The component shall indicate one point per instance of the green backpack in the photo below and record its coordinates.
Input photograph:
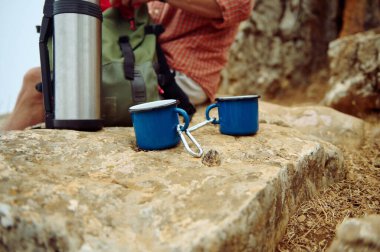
(133, 66)
(128, 73)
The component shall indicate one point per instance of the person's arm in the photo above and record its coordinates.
(226, 12)
(204, 8)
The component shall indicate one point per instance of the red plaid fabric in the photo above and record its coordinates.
(197, 46)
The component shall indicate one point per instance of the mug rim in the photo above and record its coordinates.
(237, 98)
(147, 106)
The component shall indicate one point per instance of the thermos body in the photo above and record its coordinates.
(77, 66)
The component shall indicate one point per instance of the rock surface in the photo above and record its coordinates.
(355, 74)
(281, 46)
(358, 235)
(79, 191)
(285, 46)
(323, 122)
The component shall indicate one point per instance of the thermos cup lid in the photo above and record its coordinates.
(153, 105)
(236, 98)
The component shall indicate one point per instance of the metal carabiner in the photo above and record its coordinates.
(201, 124)
(183, 139)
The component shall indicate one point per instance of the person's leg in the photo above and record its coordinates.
(29, 108)
(195, 93)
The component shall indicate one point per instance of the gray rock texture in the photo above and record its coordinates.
(79, 191)
(355, 74)
(322, 122)
(372, 19)
(358, 235)
(281, 46)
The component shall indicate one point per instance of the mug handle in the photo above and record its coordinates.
(208, 109)
(185, 116)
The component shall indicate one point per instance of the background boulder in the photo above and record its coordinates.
(281, 46)
(355, 74)
(302, 49)
(358, 234)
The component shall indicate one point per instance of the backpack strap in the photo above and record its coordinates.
(137, 81)
(166, 78)
(129, 57)
(46, 31)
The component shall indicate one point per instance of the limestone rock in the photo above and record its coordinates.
(281, 46)
(358, 235)
(284, 45)
(355, 74)
(77, 191)
(323, 122)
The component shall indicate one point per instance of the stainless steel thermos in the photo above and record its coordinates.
(72, 90)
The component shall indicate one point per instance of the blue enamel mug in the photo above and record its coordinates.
(238, 115)
(156, 124)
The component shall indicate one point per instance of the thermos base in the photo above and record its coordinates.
(81, 125)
